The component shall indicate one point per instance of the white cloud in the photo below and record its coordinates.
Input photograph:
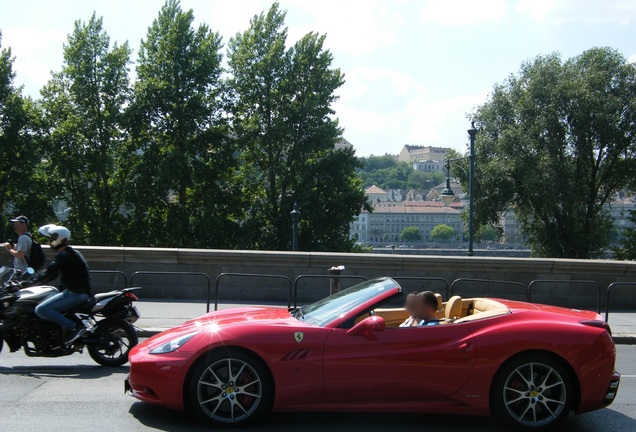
(464, 11)
(350, 26)
(619, 12)
(34, 50)
(539, 10)
(383, 109)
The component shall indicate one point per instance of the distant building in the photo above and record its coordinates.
(511, 229)
(342, 144)
(394, 195)
(413, 153)
(388, 219)
(414, 195)
(429, 166)
(376, 194)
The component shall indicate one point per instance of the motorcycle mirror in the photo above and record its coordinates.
(30, 270)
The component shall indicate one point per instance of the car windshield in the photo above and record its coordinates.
(328, 309)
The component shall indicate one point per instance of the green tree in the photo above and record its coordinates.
(627, 249)
(22, 185)
(424, 180)
(488, 233)
(182, 169)
(282, 120)
(442, 232)
(410, 234)
(373, 163)
(556, 142)
(83, 113)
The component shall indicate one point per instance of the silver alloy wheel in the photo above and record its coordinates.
(535, 394)
(229, 390)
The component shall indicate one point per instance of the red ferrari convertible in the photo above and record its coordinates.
(527, 364)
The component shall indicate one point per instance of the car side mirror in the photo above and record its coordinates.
(368, 326)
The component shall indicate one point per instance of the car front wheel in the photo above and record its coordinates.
(532, 392)
(230, 388)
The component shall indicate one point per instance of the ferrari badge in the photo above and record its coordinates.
(299, 336)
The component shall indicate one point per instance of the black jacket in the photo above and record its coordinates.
(72, 268)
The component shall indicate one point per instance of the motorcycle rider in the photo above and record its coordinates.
(75, 286)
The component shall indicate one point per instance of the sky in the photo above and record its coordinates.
(414, 69)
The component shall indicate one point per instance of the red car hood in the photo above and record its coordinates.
(576, 313)
(220, 320)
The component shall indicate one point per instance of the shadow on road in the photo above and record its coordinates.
(65, 371)
(161, 419)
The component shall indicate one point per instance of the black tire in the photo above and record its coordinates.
(532, 392)
(230, 388)
(112, 341)
(1, 344)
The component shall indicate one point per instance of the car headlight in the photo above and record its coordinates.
(173, 345)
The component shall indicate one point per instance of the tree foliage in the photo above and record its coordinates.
(410, 234)
(282, 120)
(183, 163)
(442, 232)
(387, 173)
(83, 116)
(627, 249)
(22, 185)
(556, 143)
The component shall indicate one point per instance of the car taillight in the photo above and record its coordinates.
(131, 296)
(599, 324)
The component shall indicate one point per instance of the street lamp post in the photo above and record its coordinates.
(471, 186)
(295, 215)
(448, 195)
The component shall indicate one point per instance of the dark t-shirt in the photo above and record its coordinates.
(72, 268)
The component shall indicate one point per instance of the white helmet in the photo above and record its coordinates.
(59, 234)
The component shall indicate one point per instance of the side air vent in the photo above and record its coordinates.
(296, 355)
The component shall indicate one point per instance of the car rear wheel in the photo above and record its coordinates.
(533, 392)
(230, 388)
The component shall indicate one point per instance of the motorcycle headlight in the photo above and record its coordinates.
(173, 345)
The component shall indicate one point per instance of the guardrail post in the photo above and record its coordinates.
(334, 282)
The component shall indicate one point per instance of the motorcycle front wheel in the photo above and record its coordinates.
(112, 341)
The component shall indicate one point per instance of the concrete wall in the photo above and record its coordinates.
(290, 264)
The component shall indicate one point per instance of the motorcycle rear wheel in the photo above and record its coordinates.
(115, 338)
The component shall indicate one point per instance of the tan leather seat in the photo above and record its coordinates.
(453, 308)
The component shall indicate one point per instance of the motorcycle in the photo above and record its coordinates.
(107, 317)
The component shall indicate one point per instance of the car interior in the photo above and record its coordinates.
(454, 311)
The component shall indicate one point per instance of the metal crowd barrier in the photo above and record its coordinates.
(573, 282)
(113, 272)
(246, 275)
(293, 287)
(609, 289)
(161, 273)
(423, 278)
(488, 281)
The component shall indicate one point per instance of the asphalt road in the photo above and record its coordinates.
(73, 394)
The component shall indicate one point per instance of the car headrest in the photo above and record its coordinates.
(454, 308)
(438, 296)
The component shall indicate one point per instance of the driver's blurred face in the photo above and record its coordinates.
(411, 305)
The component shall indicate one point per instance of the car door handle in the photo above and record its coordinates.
(465, 346)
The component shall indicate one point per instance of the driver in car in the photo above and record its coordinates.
(427, 311)
(411, 306)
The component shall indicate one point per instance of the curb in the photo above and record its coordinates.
(148, 332)
(626, 339)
